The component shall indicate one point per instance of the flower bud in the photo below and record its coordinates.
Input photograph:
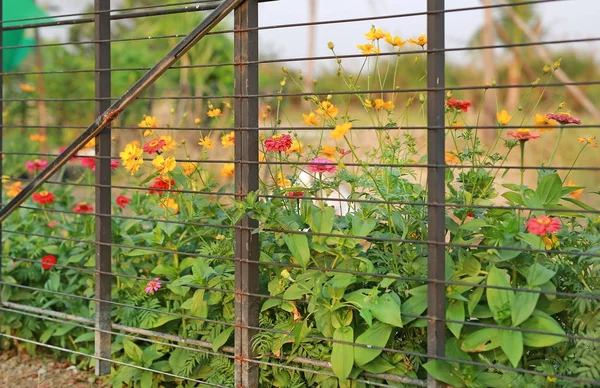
(409, 101)
(421, 98)
(172, 110)
(227, 105)
(285, 274)
(546, 68)
(183, 141)
(494, 83)
(536, 82)
(449, 94)
(314, 82)
(282, 83)
(284, 69)
(562, 105)
(416, 60)
(330, 45)
(329, 97)
(556, 65)
(197, 121)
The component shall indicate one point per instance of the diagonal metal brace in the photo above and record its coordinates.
(224, 9)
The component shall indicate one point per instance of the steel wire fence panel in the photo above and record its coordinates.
(373, 200)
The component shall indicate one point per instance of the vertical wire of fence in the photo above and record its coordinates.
(230, 244)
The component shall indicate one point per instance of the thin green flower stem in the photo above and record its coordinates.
(539, 99)
(479, 110)
(560, 133)
(574, 161)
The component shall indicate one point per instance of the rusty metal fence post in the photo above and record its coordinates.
(246, 180)
(436, 297)
(103, 191)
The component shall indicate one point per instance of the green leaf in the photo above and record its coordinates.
(471, 266)
(322, 222)
(298, 246)
(456, 312)
(342, 355)
(537, 275)
(549, 190)
(512, 345)
(51, 249)
(523, 305)
(132, 350)
(533, 240)
(443, 371)
(140, 252)
(474, 225)
(146, 379)
(545, 324)
(48, 333)
(362, 227)
(294, 292)
(377, 335)
(85, 337)
(498, 300)
(414, 306)
(386, 309)
(378, 365)
(481, 341)
(474, 298)
(53, 282)
(270, 303)
(222, 338)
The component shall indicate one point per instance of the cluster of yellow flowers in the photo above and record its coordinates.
(376, 34)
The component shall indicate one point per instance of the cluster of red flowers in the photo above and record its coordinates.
(280, 143)
(458, 104)
(122, 201)
(83, 207)
(161, 185)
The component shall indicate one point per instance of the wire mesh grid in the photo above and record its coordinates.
(402, 220)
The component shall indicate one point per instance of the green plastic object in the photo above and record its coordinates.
(15, 10)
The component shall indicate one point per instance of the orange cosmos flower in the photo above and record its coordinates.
(228, 170)
(340, 131)
(375, 34)
(214, 113)
(311, 119)
(27, 88)
(420, 41)
(543, 123)
(589, 141)
(328, 109)
(452, 157)
(368, 48)
(228, 140)
(575, 194)
(328, 152)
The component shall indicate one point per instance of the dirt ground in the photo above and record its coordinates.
(24, 371)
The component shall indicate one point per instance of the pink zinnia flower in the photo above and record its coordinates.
(154, 146)
(114, 164)
(35, 165)
(542, 225)
(321, 165)
(152, 286)
(524, 134)
(563, 118)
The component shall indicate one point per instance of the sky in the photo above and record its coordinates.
(582, 22)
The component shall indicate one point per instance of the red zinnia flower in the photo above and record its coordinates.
(563, 118)
(122, 201)
(52, 224)
(321, 165)
(524, 134)
(279, 143)
(43, 197)
(458, 104)
(542, 225)
(48, 261)
(83, 207)
(35, 165)
(89, 163)
(295, 194)
(161, 184)
(114, 164)
(154, 146)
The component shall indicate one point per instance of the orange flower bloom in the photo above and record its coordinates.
(328, 109)
(214, 113)
(420, 41)
(340, 131)
(228, 140)
(368, 48)
(375, 34)
(170, 205)
(589, 141)
(15, 188)
(380, 104)
(311, 119)
(575, 194)
(452, 157)
(148, 122)
(503, 117)
(328, 152)
(282, 181)
(395, 41)
(228, 170)
(543, 123)
(27, 88)
(188, 168)
(295, 147)
(170, 144)
(206, 142)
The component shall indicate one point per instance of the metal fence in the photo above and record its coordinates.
(431, 241)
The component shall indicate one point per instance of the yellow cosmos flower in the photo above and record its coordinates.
(228, 170)
(458, 125)
(550, 241)
(328, 109)
(375, 34)
(214, 113)
(170, 144)
(503, 117)
(420, 41)
(575, 194)
(395, 41)
(282, 181)
(379, 104)
(164, 165)
(13, 189)
(169, 204)
(206, 142)
(543, 123)
(311, 119)
(261, 157)
(133, 165)
(148, 122)
(340, 131)
(131, 157)
(295, 147)
(368, 48)
(228, 140)
(589, 141)
(188, 168)
(90, 144)
(328, 152)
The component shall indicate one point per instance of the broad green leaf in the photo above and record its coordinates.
(523, 305)
(269, 303)
(481, 341)
(53, 282)
(534, 240)
(386, 309)
(512, 345)
(378, 365)
(298, 245)
(222, 338)
(322, 222)
(471, 266)
(474, 225)
(474, 298)
(146, 379)
(294, 292)
(455, 311)
(342, 355)
(443, 371)
(414, 306)
(140, 252)
(85, 337)
(550, 189)
(362, 227)
(132, 350)
(498, 300)
(48, 333)
(537, 275)
(377, 335)
(544, 324)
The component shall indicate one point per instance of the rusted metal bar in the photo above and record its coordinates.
(211, 20)
(103, 192)
(436, 212)
(246, 180)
